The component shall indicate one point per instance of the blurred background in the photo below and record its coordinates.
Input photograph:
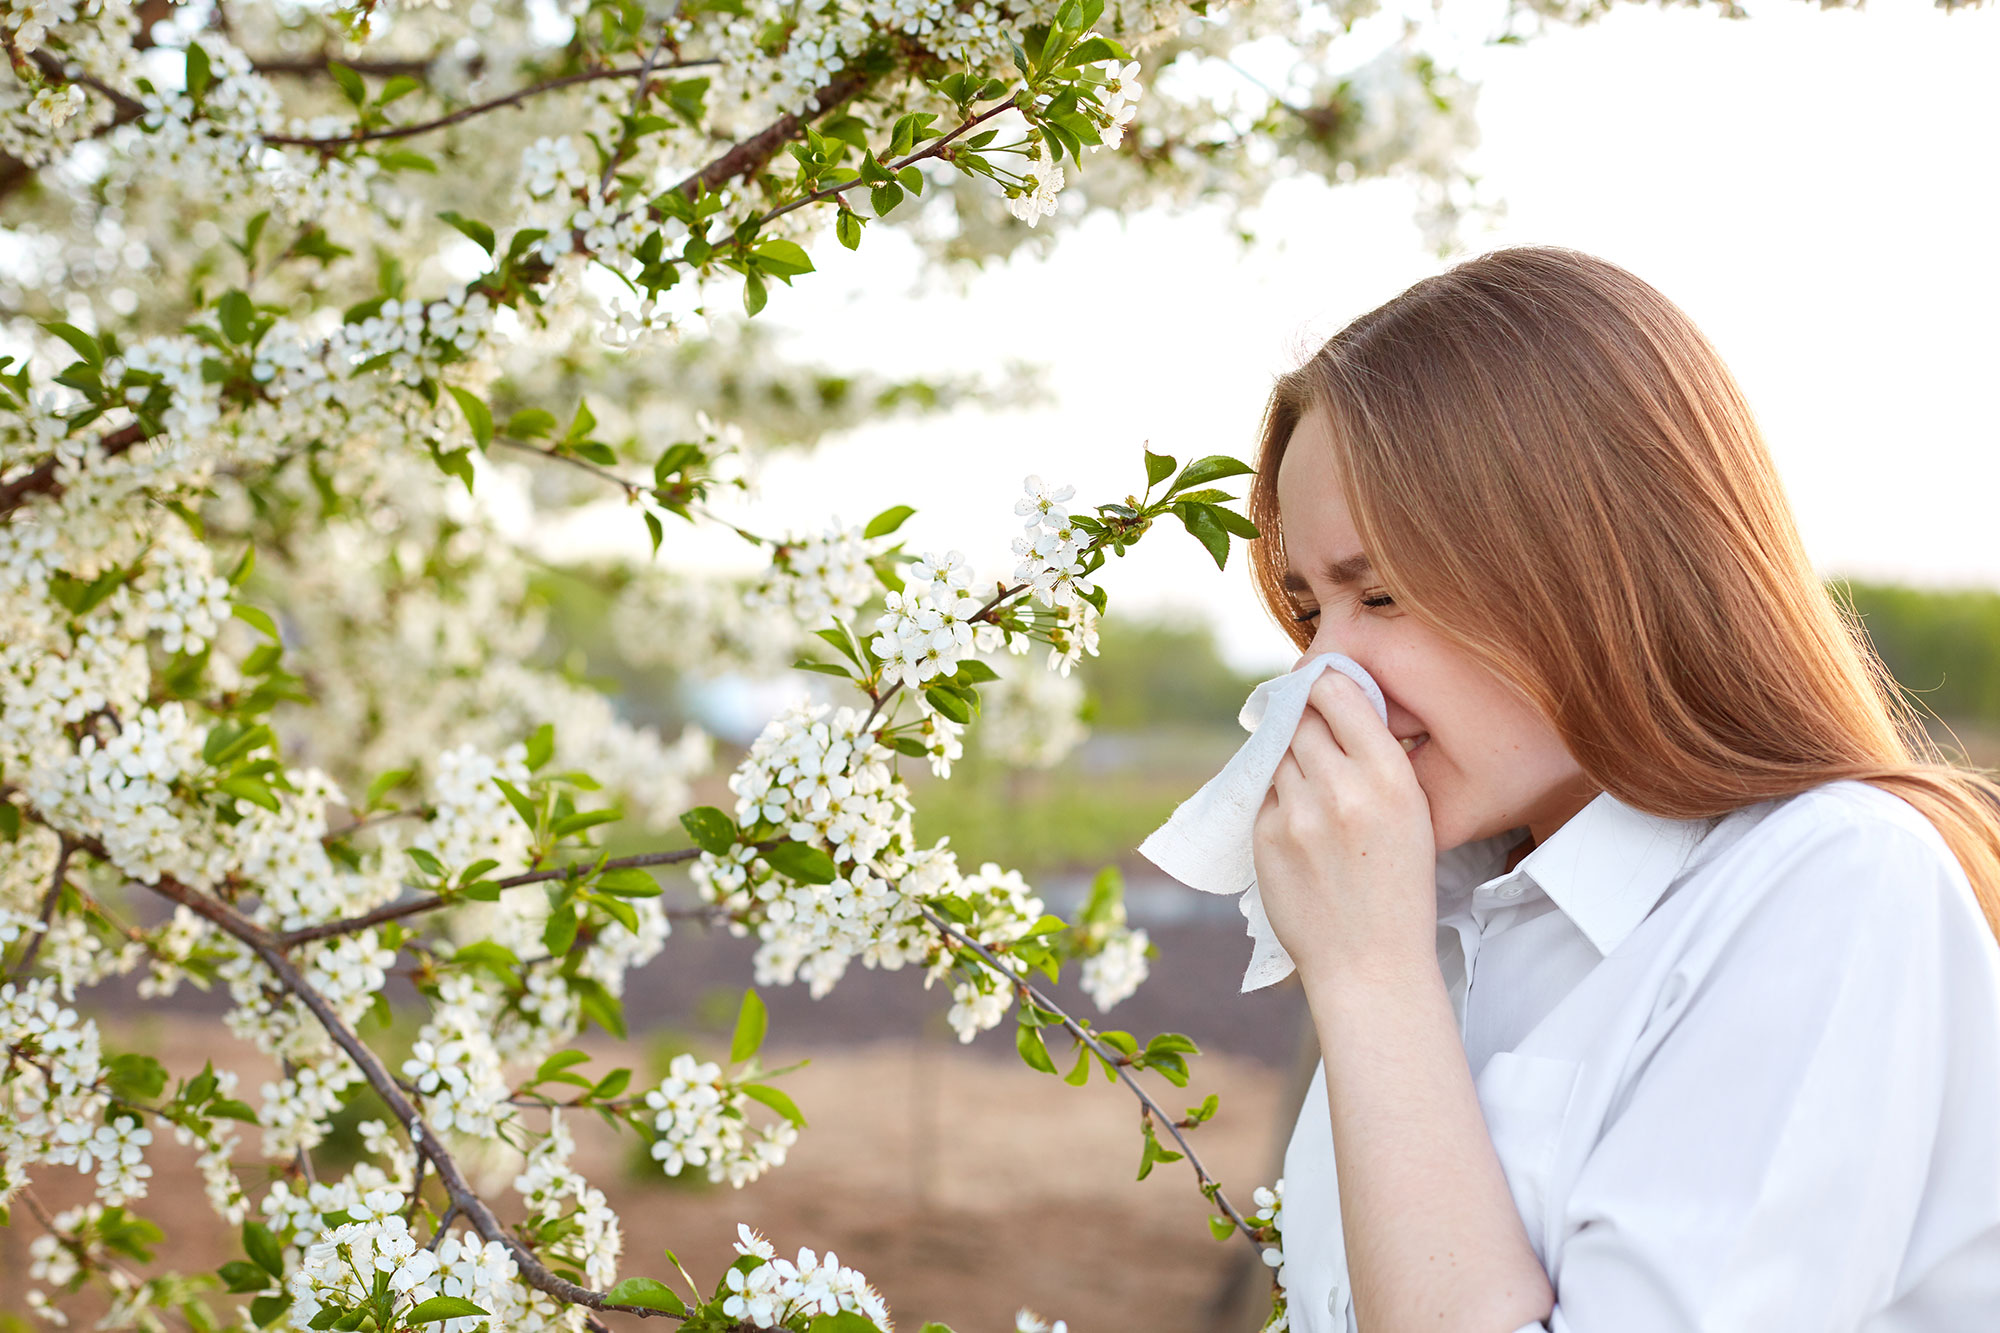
(1817, 188)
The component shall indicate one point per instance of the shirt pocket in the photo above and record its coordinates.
(1525, 1099)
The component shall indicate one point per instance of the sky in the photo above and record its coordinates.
(1819, 190)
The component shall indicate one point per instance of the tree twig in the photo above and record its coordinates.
(291, 939)
(477, 109)
(49, 901)
(467, 1200)
(1210, 1187)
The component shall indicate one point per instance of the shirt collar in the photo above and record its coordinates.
(1605, 868)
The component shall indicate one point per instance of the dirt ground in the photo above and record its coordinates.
(962, 1183)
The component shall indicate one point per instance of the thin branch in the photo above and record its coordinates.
(49, 901)
(477, 109)
(1210, 1187)
(291, 939)
(929, 150)
(305, 66)
(370, 821)
(633, 490)
(41, 479)
(640, 94)
(467, 1200)
(748, 157)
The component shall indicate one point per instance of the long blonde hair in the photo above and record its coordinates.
(1550, 464)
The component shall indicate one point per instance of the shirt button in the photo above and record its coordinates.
(1508, 891)
(1335, 1300)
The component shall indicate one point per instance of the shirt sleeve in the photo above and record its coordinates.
(1769, 1164)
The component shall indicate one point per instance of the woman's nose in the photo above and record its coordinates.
(1323, 642)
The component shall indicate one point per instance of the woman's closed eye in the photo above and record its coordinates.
(1376, 602)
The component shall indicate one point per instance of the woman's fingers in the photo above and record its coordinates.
(1349, 719)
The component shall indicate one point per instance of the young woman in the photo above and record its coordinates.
(1651, 944)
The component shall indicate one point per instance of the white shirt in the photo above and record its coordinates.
(1741, 1073)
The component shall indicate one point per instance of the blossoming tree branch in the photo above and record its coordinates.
(288, 292)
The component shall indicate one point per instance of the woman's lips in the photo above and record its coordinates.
(1410, 743)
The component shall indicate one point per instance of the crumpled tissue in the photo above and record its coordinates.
(1205, 843)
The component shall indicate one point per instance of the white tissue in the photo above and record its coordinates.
(1205, 844)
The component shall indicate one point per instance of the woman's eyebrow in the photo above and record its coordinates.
(1338, 572)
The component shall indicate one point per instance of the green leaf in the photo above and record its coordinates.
(357, 93)
(887, 521)
(541, 745)
(848, 228)
(1208, 469)
(581, 424)
(654, 529)
(949, 704)
(236, 316)
(442, 1307)
(477, 414)
(254, 790)
(492, 955)
(1158, 468)
(776, 1100)
(1152, 1151)
(1169, 1042)
(1220, 1227)
(838, 639)
(1093, 50)
(558, 1062)
(256, 619)
(751, 1021)
(1080, 1075)
(823, 668)
(199, 75)
(628, 882)
(479, 232)
(402, 159)
(239, 1276)
(266, 1310)
(137, 1077)
(1233, 521)
(384, 784)
(517, 798)
(884, 198)
(559, 931)
(262, 1247)
(713, 831)
(754, 294)
(1201, 523)
(1028, 1041)
(426, 862)
(82, 343)
(972, 671)
(611, 1085)
(584, 819)
(531, 423)
(647, 1294)
(802, 862)
(782, 259)
(599, 1005)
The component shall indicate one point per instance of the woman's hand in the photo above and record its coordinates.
(1346, 861)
